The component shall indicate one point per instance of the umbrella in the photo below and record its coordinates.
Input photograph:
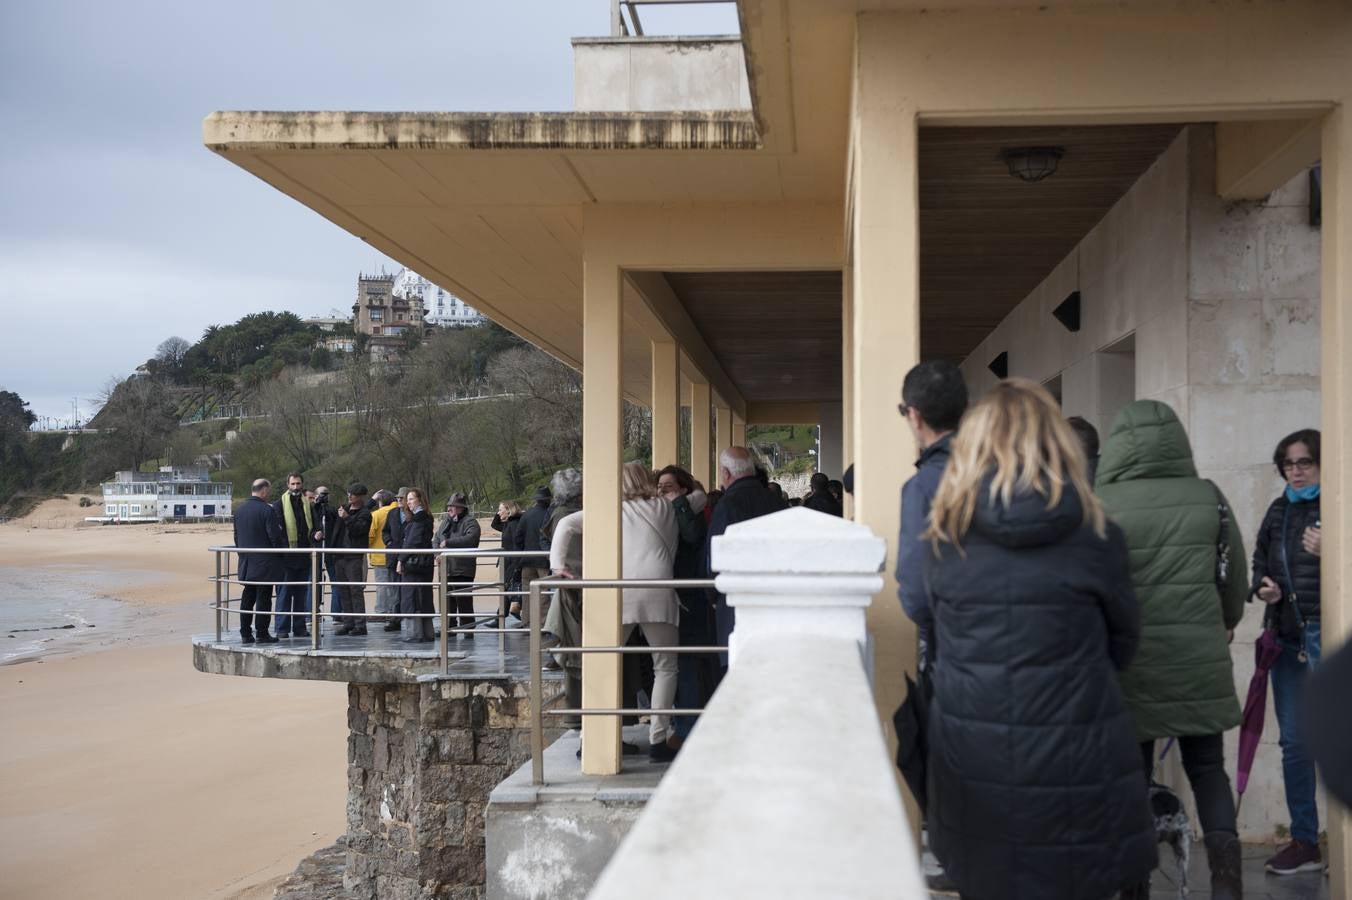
(1265, 653)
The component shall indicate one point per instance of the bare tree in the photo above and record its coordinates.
(293, 413)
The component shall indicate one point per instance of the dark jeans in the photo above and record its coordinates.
(461, 606)
(255, 596)
(351, 599)
(1288, 688)
(696, 674)
(1204, 762)
(293, 599)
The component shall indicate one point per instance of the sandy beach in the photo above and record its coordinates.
(123, 771)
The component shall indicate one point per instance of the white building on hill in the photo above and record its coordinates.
(440, 306)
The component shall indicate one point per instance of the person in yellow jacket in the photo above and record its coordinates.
(387, 584)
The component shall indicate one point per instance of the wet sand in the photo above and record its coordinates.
(123, 771)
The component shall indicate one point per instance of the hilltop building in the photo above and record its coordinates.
(385, 316)
(175, 492)
(440, 306)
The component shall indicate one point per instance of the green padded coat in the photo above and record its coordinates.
(1181, 681)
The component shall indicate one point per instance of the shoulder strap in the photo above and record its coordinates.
(1222, 539)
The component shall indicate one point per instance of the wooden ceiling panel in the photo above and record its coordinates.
(988, 239)
(777, 334)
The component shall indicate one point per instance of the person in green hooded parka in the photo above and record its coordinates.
(1180, 684)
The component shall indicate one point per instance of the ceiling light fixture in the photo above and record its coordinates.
(1032, 164)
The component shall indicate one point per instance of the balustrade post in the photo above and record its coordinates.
(445, 617)
(218, 595)
(314, 599)
(799, 572)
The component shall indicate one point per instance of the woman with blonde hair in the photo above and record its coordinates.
(1035, 789)
(649, 539)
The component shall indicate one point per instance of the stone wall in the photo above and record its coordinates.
(422, 760)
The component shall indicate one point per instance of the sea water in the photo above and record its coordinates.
(58, 609)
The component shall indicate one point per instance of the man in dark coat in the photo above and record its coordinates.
(528, 538)
(351, 531)
(821, 499)
(933, 399)
(257, 525)
(458, 530)
(393, 536)
(744, 498)
(302, 533)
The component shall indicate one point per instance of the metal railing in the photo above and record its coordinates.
(225, 578)
(634, 26)
(537, 710)
(440, 582)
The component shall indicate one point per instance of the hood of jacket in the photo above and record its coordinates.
(1147, 441)
(1028, 521)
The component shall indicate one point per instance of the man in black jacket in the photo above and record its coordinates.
(528, 538)
(302, 533)
(257, 525)
(351, 530)
(744, 498)
(458, 530)
(821, 499)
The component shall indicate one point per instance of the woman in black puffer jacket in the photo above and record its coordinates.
(1286, 578)
(1035, 788)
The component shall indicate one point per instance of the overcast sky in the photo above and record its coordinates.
(121, 229)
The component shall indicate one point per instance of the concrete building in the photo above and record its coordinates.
(440, 306)
(174, 492)
(1114, 199)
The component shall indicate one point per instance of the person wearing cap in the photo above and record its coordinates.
(528, 538)
(351, 531)
(458, 530)
(325, 522)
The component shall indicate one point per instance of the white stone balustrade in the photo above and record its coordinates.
(786, 788)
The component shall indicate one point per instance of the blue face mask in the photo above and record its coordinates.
(1303, 495)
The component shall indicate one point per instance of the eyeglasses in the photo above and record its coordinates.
(1304, 464)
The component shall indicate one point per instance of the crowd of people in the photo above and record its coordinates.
(1075, 606)
(1075, 609)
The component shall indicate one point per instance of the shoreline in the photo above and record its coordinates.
(125, 772)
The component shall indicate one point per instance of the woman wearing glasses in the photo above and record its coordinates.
(1286, 578)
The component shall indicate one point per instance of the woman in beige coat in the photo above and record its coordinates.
(649, 541)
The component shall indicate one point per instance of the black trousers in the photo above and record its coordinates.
(1204, 763)
(460, 605)
(259, 597)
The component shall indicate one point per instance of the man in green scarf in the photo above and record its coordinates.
(297, 515)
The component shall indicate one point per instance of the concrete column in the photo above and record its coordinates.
(886, 343)
(700, 457)
(722, 428)
(666, 403)
(602, 455)
(738, 431)
(831, 451)
(847, 377)
(1336, 469)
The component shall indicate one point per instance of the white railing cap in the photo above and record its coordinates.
(798, 540)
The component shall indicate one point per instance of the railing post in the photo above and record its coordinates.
(218, 596)
(445, 617)
(799, 572)
(537, 735)
(314, 599)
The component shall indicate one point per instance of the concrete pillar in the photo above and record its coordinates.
(886, 343)
(738, 431)
(666, 403)
(831, 452)
(700, 457)
(1336, 457)
(722, 428)
(602, 455)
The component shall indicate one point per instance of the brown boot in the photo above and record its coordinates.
(1224, 857)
